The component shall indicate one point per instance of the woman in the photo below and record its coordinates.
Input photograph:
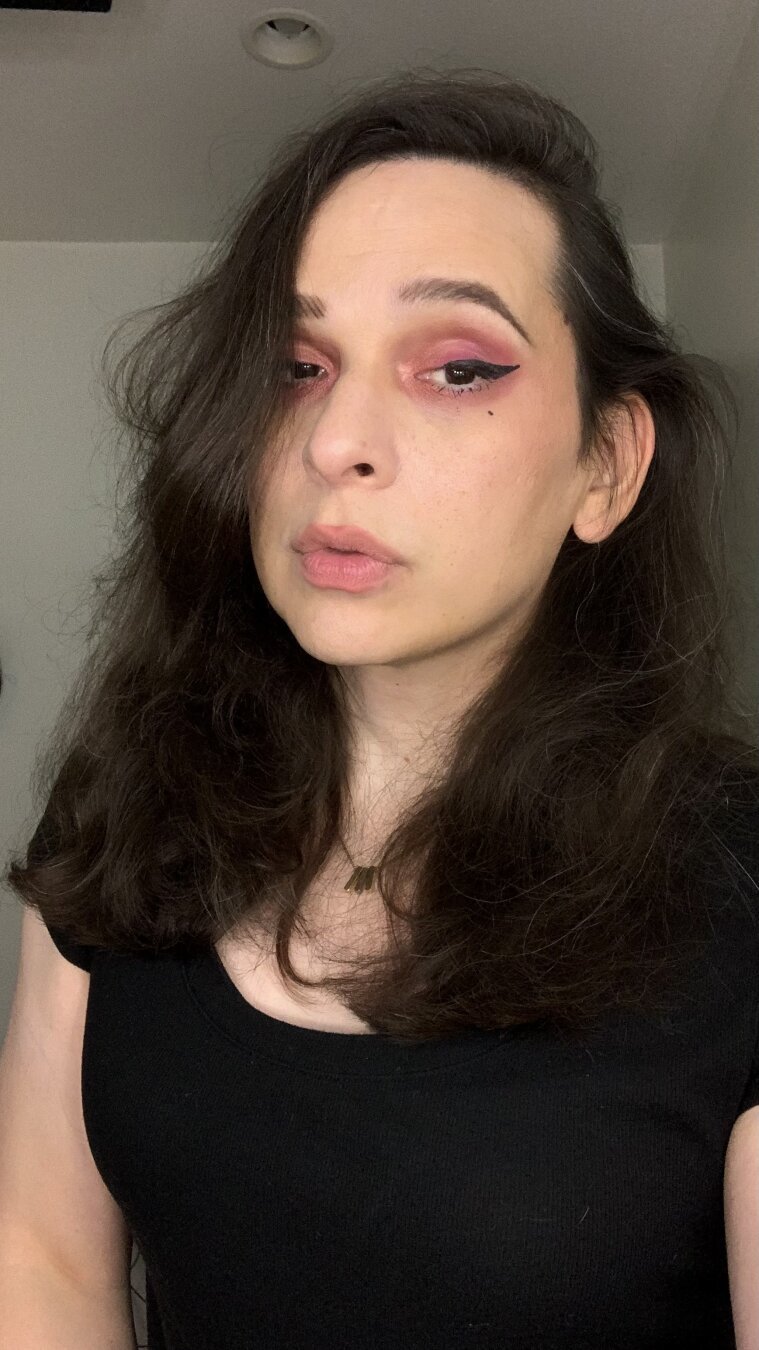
(417, 886)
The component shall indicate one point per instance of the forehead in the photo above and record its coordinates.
(387, 222)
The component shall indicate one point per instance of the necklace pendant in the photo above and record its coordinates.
(362, 879)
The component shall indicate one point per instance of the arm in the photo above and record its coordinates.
(741, 1189)
(64, 1244)
(42, 1310)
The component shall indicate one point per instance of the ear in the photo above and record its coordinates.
(613, 489)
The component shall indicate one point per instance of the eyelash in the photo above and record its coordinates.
(491, 373)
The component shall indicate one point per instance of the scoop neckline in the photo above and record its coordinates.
(311, 1049)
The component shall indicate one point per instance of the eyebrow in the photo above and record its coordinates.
(430, 289)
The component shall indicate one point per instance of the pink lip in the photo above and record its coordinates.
(345, 571)
(347, 538)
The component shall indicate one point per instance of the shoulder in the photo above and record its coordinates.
(77, 953)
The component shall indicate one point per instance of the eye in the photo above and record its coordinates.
(463, 372)
(291, 366)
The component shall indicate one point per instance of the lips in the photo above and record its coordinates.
(346, 539)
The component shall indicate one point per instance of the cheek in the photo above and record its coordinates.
(529, 473)
(499, 524)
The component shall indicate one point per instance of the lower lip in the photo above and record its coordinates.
(344, 571)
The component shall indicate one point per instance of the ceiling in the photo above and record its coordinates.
(151, 122)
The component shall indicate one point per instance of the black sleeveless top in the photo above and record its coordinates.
(294, 1189)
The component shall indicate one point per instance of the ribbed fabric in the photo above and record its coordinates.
(293, 1189)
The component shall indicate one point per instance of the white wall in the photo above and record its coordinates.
(58, 304)
(711, 264)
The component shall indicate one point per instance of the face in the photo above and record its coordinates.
(474, 483)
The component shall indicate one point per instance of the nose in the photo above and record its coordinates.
(353, 433)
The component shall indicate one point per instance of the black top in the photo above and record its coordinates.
(293, 1189)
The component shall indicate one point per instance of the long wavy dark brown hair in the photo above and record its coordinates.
(198, 767)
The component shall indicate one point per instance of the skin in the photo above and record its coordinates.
(476, 490)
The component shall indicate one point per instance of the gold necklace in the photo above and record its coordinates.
(361, 878)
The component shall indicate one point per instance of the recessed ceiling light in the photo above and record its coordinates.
(288, 38)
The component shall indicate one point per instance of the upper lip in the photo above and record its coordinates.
(350, 538)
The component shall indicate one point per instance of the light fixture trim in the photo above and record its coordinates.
(294, 51)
